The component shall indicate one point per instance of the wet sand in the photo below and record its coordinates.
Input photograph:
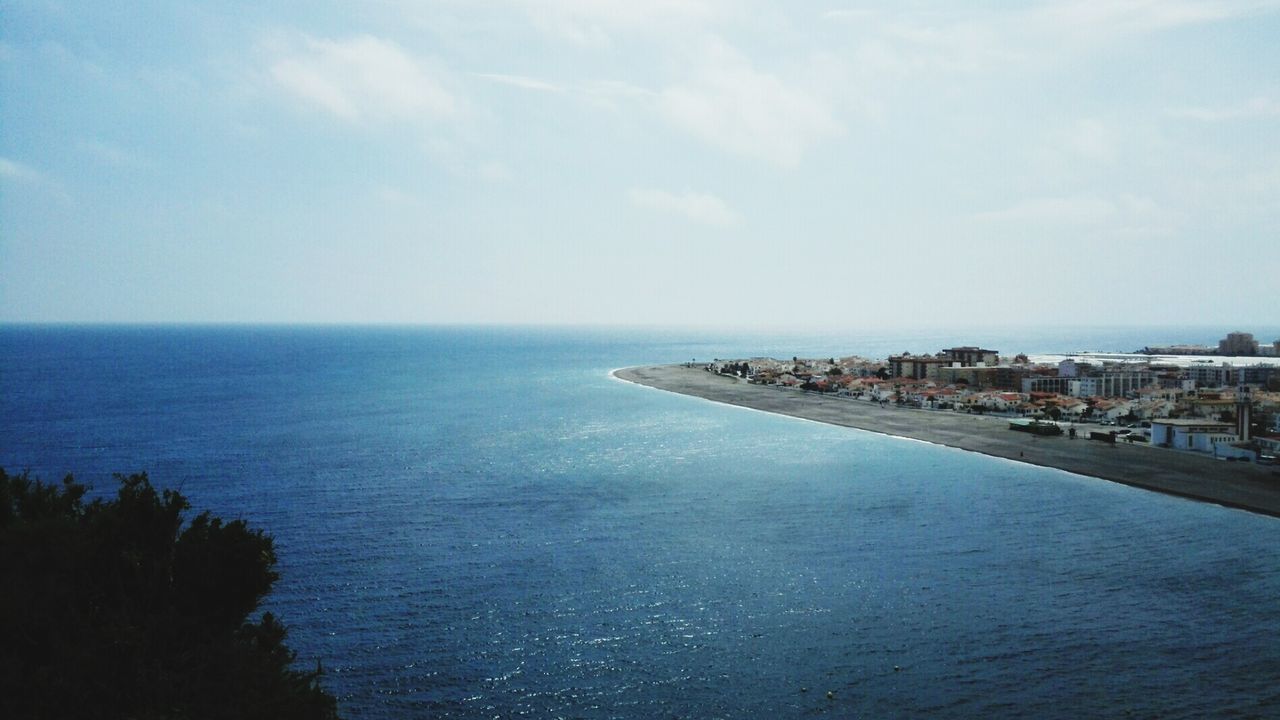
(1191, 475)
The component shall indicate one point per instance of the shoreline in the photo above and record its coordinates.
(1244, 486)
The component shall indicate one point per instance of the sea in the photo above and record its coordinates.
(480, 522)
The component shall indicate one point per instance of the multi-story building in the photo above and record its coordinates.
(1238, 343)
(919, 367)
(1226, 374)
(1111, 384)
(1001, 377)
(970, 356)
(1047, 384)
(916, 367)
(1122, 384)
(1257, 374)
(1206, 375)
(1074, 368)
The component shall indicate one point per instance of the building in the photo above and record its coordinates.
(1002, 377)
(1123, 384)
(1211, 405)
(916, 367)
(1257, 374)
(1210, 376)
(1269, 441)
(919, 367)
(1269, 444)
(1047, 384)
(1191, 434)
(1238, 343)
(969, 356)
(1074, 368)
(1225, 375)
(1244, 412)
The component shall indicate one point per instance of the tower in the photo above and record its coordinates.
(1244, 407)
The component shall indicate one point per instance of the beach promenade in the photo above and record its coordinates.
(1191, 475)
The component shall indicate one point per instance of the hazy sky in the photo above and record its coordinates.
(629, 161)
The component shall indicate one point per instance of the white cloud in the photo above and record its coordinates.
(112, 154)
(699, 207)
(495, 172)
(1093, 140)
(916, 40)
(596, 22)
(363, 79)
(1258, 107)
(521, 81)
(1055, 210)
(20, 174)
(616, 94)
(1111, 17)
(850, 14)
(1126, 214)
(14, 171)
(727, 103)
(395, 196)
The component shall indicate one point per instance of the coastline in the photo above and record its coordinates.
(1238, 485)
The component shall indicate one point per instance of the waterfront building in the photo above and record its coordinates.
(1110, 384)
(970, 356)
(1191, 434)
(999, 401)
(1001, 377)
(919, 367)
(1269, 443)
(1213, 405)
(1047, 384)
(1074, 368)
(1208, 375)
(1238, 343)
(1225, 374)
(1257, 374)
(916, 367)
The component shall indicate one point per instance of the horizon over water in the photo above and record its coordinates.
(480, 522)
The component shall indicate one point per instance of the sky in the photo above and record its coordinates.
(691, 162)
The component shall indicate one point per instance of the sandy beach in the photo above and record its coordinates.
(1190, 475)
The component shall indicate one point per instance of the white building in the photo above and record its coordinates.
(1211, 376)
(1110, 384)
(1191, 434)
(1113, 410)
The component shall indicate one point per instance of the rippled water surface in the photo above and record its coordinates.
(482, 523)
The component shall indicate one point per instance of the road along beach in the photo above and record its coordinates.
(1191, 475)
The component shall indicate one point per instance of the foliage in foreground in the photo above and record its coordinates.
(120, 609)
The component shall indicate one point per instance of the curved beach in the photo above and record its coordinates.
(1190, 475)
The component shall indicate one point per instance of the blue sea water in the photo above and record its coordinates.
(481, 523)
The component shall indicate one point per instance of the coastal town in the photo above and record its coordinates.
(1221, 402)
